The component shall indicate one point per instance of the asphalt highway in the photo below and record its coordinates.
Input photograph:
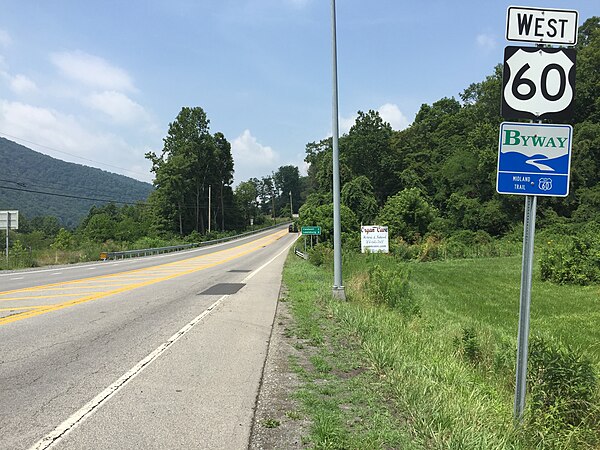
(155, 353)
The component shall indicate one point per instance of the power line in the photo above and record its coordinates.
(78, 197)
(202, 204)
(28, 184)
(71, 154)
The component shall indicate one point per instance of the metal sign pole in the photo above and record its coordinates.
(525, 303)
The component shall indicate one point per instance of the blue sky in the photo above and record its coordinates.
(97, 83)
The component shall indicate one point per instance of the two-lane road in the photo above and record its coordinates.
(161, 352)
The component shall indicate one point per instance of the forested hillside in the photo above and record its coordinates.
(25, 173)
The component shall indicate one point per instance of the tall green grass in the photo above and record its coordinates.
(447, 374)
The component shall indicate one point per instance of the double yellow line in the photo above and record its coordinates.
(94, 288)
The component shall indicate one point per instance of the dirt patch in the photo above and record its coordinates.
(278, 422)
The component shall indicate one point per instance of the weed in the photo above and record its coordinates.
(381, 354)
(270, 423)
(563, 382)
(391, 288)
(320, 364)
(468, 345)
(293, 415)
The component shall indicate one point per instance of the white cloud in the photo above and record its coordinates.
(486, 42)
(5, 39)
(389, 112)
(64, 137)
(92, 71)
(252, 159)
(345, 123)
(120, 108)
(20, 84)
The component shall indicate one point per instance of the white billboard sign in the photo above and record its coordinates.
(374, 239)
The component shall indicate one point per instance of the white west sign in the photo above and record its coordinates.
(541, 25)
(374, 239)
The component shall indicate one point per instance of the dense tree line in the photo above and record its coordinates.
(438, 175)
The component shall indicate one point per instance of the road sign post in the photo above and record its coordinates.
(534, 159)
(9, 220)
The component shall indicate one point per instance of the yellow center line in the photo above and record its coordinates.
(226, 255)
(18, 308)
(75, 294)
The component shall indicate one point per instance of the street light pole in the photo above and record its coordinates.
(291, 206)
(338, 288)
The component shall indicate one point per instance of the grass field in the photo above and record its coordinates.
(486, 291)
(379, 379)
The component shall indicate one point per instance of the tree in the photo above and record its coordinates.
(587, 94)
(266, 194)
(100, 228)
(322, 215)
(224, 171)
(245, 195)
(63, 241)
(408, 215)
(358, 196)
(287, 180)
(366, 150)
(191, 160)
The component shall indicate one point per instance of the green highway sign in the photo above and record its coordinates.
(311, 231)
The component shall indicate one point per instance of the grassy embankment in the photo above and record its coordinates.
(443, 378)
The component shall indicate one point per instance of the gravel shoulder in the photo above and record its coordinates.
(278, 421)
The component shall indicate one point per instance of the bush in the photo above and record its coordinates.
(562, 383)
(391, 288)
(572, 259)
(408, 215)
(320, 254)
(468, 345)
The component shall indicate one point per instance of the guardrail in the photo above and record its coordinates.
(174, 248)
(300, 254)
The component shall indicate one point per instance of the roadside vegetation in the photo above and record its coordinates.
(109, 228)
(422, 355)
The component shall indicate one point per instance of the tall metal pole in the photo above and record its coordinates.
(7, 229)
(338, 288)
(209, 207)
(525, 303)
(291, 206)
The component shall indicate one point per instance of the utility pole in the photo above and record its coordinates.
(273, 205)
(209, 207)
(338, 288)
(291, 207)
(7, 230)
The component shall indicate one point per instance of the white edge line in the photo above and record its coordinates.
(56, 435)
(287, 247)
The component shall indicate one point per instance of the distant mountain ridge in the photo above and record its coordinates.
(23, 170)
